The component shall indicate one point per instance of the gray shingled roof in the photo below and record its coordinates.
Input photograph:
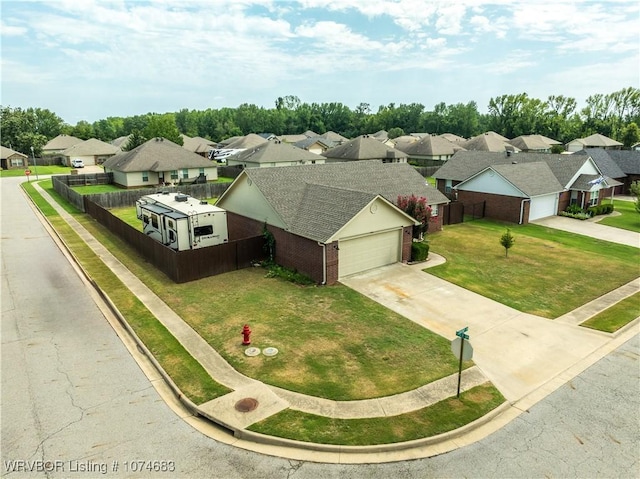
(244, 142)
(61, 142)
(533, 179)
(530, 142)
(197, 144)
(307, 142)
(431, 146)
(604, 161)
(91, 147)
(363, 148)
(157, 154)
(489, 141)
(324, 210)
(335, 137)
(287, 189)
(274, 152)
(464, 164)
(627, 160)
(7, 152)
(598, 140)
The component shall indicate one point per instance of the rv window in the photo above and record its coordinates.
(170, 223)
(172, 236)
(154, 221)
(203, 230)
(145, 218)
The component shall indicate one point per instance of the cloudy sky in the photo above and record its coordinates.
(87, 60)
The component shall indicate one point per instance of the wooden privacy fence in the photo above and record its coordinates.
(454, 212)
(182, 266)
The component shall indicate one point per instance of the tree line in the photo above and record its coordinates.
(615, 115)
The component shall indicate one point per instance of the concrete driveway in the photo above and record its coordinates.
(518, 352)
(591, 228)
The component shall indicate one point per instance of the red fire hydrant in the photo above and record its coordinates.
(246, 332)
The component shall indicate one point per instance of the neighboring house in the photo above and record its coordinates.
(11, 159)
(91, 152)
(158, 162)
(121, 141)
(534, 143)
(430, 150)
(331, 220)
(489, 141)
(364, 148)
(315, 144)
(57, 145)
(593, 141)
(635, 146)
(453, 138)
(608, 166)
(629, 163)
(198, 145)
(293, 138)
(223, 152)
(273, 153)
(401, 142)
(381, 135)
(336, 138)
(523, 187)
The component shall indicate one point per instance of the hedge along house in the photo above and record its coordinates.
(329, 220)
(523, 187)
(158, 162)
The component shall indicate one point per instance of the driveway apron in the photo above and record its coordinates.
(518, 352)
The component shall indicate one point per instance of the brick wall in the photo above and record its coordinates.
(499, 207)
(407, 239)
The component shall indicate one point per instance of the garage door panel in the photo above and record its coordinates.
(368, 252)
(542, 206)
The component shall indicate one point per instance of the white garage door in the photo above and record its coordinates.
(542, 206)
(367, 252)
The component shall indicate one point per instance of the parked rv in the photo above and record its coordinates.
(182, 222)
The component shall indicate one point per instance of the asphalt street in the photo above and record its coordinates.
(75, 403)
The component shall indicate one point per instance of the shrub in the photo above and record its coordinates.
(573, 209)
(277, 271)
(419, 250)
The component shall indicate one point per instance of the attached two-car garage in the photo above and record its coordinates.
(369, 251)
(543, 206)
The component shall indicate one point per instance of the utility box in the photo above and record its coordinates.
(182, 222)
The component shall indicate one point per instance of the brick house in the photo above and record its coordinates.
(11, 159)
(522, 187)
(329, 220)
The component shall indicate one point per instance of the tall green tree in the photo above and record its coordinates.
(135, 139)
(163, 126)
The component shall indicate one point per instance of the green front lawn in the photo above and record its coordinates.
(548, 272)
(629, 218)
(42, 170)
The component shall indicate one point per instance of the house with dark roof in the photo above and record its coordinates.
(158, 162)
(608, 166)
(629, 163)
(329, 220)
(523, 187)
(273, 153)
(91, 152)
(11, 159)
(364, 147)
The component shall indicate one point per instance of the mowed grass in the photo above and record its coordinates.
(41, 169)
(629, 218)
(333, 342)
(548, 272)
(616, 316)
(444, 416)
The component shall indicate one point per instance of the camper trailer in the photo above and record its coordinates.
(182, 222)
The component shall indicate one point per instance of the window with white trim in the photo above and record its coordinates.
(145, 176)
(593, 199)
(185, 173)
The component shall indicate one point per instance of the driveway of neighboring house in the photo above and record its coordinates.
(518, 352)
(591, 228)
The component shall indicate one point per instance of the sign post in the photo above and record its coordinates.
(461, 347)
(27, 172)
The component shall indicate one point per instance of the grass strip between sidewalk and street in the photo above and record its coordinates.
(446, 415)
(190, 377)
(616, 316)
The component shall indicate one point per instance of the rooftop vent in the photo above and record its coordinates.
(181, 197)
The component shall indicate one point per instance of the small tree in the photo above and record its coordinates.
(419, 210)
(507, 240)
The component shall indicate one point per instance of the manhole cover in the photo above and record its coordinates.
(246, 405)
(252, 351)
(270, 351)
